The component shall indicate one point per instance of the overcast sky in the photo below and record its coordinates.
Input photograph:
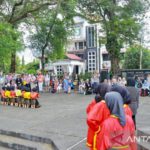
(28, 56)
(27, 53)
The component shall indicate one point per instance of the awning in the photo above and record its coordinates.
(73, 57)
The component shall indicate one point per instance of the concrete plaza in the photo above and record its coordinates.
(61, 118)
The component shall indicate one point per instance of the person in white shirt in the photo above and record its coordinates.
(47, 82)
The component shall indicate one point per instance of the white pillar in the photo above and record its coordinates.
(55, 70)
(70, 67)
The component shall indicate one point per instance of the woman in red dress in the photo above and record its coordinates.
(97, 112)
(117, 132)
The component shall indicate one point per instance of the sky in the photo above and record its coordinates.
(28, 56)
(27, 53)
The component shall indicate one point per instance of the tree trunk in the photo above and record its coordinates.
(13, 62)
(115, 65)
(43, 60)
(113, 49)
(1, 1)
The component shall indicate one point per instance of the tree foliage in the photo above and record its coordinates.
(51, 31)
(18, 11)
(118, 21)
(133, 56)
(30, 68)
(9, 43)
(55, 41)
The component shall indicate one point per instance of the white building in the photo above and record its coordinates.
(83, 44)
(72, 64)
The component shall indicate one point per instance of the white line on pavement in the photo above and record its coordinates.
(76, 144)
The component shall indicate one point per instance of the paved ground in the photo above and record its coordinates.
(61, 118)
(143, 116)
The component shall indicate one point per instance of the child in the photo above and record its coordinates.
(27, 97)
(22, 99)
(7, 94)
(18, 97)
(12, 96)
(34, 97)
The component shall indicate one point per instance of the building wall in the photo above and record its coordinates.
(89, 51)
(93, 54)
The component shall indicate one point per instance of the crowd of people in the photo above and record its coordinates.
(111, 116)
(47, 83)
(31, 84)
(21, 90)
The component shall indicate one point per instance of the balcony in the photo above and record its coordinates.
(74, 50)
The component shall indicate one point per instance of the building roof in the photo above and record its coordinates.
(73, 57)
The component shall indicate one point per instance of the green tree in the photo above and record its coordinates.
(30, 68)
(118, 21)
(9, 43)
(16, 11)
(133, 57)
(52, 29)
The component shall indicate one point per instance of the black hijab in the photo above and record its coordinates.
(115, 104)
(123, 92)
(102, 89)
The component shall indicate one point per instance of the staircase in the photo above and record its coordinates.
(18, 141)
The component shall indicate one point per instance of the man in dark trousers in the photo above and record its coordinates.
(134, 94)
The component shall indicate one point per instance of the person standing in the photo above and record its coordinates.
(47, 82)
(95, 81)
(40, 79)
(18, 81)
(88, 87)
(2, 80)
(117, 129)
(134, 96)
(97, 112)
(65, 84)
(125, 96)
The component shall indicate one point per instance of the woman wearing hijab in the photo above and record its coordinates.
(97, 112)
(126, 97)
(100, 94)
(117, 132)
